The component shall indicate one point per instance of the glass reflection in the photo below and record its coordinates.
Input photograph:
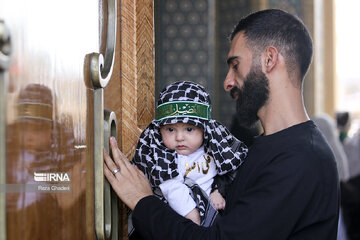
(31, 141)
(41, 144)
(31, 149)
(47, 114)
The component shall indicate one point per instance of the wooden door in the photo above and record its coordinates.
(53, 108)
(130, 93)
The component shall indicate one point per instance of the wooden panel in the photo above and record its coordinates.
(50, 57)
(129, 130)
(130, 93)
(145, 62)
(49, 118)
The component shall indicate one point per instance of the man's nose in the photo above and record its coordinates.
(229, 81)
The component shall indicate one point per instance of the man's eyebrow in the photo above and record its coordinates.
(230, 59)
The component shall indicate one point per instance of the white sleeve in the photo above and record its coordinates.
(177, 194)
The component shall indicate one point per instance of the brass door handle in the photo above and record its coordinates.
(111, 199)
(101, 67)
(106, 200)
(5, 61)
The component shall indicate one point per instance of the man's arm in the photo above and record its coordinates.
(171, 225)
(282, 192)
(273, 206)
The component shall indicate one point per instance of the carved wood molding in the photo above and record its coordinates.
(145, 62)
(137, 70)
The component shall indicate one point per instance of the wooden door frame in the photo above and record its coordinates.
(130, 92)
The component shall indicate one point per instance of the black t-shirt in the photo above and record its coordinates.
(287, 188)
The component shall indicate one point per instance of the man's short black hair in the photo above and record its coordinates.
(286, 32)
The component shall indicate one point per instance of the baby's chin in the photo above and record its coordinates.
(184, 152)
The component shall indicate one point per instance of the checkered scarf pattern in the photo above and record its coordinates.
(159, 163)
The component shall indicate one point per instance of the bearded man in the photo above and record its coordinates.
(287, 187)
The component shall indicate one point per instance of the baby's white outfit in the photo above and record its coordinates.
(198, 166)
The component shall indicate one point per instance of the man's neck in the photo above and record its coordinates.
(282, 112)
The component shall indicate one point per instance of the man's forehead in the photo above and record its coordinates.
(237, 47)
(238, 42)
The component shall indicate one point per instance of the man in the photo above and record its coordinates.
(287, 187)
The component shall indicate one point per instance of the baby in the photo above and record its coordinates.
(183, 150)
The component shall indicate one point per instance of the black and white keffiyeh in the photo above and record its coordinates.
(187, 102)
(158, 162)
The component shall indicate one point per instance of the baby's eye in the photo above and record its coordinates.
(189, 129)
(170, 129)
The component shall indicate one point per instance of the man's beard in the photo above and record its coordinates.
(251, 97)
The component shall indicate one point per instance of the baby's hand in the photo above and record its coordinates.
(194, 215)
(217, 200)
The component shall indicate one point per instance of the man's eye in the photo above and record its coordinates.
(235, 67)
(189, 129)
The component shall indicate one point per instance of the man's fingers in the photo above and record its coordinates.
(130, 184)
(109, 162)
(114, 149)
(119, 158)
(119, 161)
(109, 175)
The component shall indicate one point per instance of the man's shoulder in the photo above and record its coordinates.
(300, 149)
(306, 142)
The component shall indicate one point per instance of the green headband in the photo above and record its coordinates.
(182, 109)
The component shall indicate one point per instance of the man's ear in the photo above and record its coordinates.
(270, 58)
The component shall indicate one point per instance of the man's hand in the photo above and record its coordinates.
(129, 182)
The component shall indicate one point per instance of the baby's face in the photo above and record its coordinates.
(182, 137)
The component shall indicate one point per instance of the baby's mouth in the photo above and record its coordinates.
(181, 147)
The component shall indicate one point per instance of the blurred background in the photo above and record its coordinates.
(191, 44)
